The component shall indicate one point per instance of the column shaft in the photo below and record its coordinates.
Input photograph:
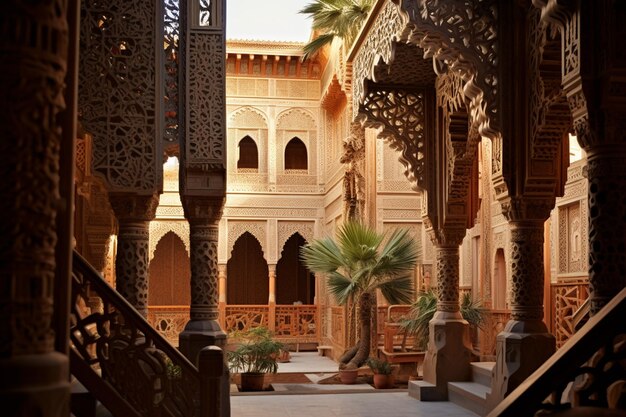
(204, 271)
(607, 228)
(34, 379)
(131, 263)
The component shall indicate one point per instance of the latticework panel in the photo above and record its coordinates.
(297, 322)
(169, 321)
(243, 318)
(566, 300)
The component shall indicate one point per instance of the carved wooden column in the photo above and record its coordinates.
(134, 213)
(34, 379)
(525, 343)
(203, 328)
(595, 92)
(203, 168)
(449, 347)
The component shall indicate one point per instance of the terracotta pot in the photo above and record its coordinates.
(383, 381)
(252, 381)
(348, 376)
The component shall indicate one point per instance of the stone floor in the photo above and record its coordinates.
(375, 404)
(332, 400)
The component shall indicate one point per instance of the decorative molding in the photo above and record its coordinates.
(288, 229)
(236, 228)
(158, 229)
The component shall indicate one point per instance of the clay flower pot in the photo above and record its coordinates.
(252, 381)
(348, 376)
(383, 381)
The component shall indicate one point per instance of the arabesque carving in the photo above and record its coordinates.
(258, 229)
(158, 229)
(401, 115)
(288, 229)
(463, 36)
(118, 94)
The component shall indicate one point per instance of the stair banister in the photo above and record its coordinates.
(573, 360)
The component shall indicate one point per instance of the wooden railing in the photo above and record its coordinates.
(566, 298)
(591, 366)
(290, 323)
(127, 364)
(338, 327)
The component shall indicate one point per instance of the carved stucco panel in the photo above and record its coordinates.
(158, 229)
(288, 229)
(256, 228)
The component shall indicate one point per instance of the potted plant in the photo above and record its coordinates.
(424, 308)
(357, 263)
(383, 373)
(255, 356)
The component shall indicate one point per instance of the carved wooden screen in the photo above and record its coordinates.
(248, 274)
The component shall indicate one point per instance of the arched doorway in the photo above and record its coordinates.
(499, 281)
(169, 273)
(294, 282)
(248, 275)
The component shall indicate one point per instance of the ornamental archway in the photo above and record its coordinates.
(294, 282)
(248, 274)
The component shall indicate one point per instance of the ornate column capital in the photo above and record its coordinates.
(524, 208)
(134, 207)
(203, 209)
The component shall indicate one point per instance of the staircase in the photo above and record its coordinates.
(586, 376)
(126, 364)
(473, 394)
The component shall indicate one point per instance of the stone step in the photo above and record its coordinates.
(481, 372)
(424, 391)
(469, 395)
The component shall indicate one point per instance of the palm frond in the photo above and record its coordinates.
(322, 255)
(472, 310)
(398, 290)
(316, 45)
(339, 18)
(341, 287)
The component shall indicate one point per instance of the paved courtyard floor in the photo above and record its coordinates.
(318, 400)
(375, 404)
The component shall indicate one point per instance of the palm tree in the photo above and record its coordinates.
(335, 19)
(356, 266)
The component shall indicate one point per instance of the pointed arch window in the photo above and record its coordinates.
(296, 156)
(248, 154)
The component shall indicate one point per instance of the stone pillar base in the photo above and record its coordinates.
(521, 348)
(448, 357)
(199, 334)
(35, 385)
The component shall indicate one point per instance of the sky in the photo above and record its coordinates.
(271, 20)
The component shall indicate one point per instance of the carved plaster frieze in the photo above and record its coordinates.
(258, 229)
(288, 229)
(158, 229)
(401, 115)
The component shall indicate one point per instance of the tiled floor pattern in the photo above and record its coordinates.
(396, 404)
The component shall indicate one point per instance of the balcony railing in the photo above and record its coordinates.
(290, 323)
